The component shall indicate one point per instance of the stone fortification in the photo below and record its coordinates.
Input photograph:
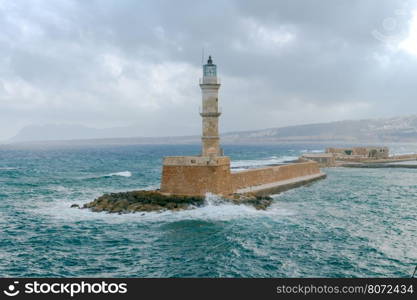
(198, 176)
(261, 176)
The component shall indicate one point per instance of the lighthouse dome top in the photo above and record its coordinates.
(209, 61)
(210, 69)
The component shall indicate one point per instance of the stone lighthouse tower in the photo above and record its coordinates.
(210, 113)
(210, 171)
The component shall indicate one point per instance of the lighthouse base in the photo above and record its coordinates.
(196, 175)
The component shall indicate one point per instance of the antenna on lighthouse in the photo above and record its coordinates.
(202, 56)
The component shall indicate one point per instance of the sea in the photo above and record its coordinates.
(355, 223)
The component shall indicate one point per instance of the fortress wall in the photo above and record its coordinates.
(273, 174)
(193, 176)
(196, 176)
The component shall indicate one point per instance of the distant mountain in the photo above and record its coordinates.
(399, 129)
(55, 132)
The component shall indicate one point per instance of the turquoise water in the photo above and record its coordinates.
(356, 223)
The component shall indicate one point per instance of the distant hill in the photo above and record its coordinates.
(399, 129)
(59, 132)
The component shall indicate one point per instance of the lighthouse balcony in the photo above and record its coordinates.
(210, 80)
(210, 113)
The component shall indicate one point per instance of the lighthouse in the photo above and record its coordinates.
(208, 172)
(210, 112)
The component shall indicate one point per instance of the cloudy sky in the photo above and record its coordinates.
(109, 63)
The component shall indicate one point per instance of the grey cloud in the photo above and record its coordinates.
(110, 63)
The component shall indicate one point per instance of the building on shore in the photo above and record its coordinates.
(210, 172)
(359, 153)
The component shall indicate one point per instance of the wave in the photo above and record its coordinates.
(123, 174)
(240, 165)
(215, 209)
(7, 168)
(218, 212)
(212, 199)
(60, 189)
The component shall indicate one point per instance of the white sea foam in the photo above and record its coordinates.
(59, 188)
(240, 165)
(7, 168)
(212, 199)
(215, 209)
(239, 169)
(151, 187)
(123, 174)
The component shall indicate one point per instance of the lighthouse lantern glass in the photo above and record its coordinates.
(209, 70)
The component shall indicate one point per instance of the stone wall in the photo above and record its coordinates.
(196, 176)
(260, 176)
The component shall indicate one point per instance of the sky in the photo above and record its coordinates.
(110, 63)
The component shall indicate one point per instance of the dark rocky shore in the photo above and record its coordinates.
(145, 201)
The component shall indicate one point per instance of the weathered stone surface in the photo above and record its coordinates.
(260, 176)
(145, 201)
(197, 175)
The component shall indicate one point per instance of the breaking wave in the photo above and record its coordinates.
(240, 165)
(215, 209)
(123, 174)
(212, 199)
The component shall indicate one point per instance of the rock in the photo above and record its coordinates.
(259, 202)
(171, 205)
(75, 206)
(115, 209)
(148, 207)
(146, 201)
(97, 209)
(142, 201)
(181, 206)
